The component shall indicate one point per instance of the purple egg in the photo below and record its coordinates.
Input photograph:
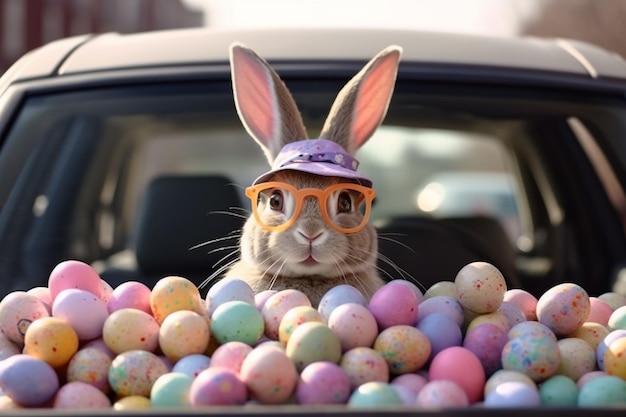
(486, 341)
(442, 304)
(217, 386)
(28, 381)
(323, 383)
(441, 330)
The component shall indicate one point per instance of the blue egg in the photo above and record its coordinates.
(338, 295)
(192, 365)
(441, 330)
(513, 394)
(228, 290)
(171, 390)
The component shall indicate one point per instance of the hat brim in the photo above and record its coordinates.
(316, 168)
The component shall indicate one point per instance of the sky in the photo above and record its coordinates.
(486, 17)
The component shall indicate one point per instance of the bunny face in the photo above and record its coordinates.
(309, 228)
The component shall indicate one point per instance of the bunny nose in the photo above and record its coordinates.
(311, 237)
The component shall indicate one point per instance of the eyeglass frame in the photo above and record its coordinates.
(300, 194)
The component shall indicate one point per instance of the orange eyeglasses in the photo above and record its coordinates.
(287, 200)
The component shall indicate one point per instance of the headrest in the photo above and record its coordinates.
(178, 213)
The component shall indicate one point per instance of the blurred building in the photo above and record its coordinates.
(27, 24)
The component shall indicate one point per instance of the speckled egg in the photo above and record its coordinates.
(480, 287)
(134, 372)
(592, 333)
(74, 274)
(295, 317)
(374, 395)
(228, 290)
(513, 394)
(563, 308)
(338, 295)
(532, 354)
(559, 391)
(43, 293)
(393, 305)
(531, 327)
(269, 374)
(604, 344)
(512, 312)
(442, 304)
(130, 329)
(52, 340)
(602, 392)
(230, 355)
(183, 333)
(441, 288)
(524, 300)
(442, 393)
(173, 293)
(496, 318)
(615, 358)
(404, 348)
(577, 358)
(277, 306)
(217, 386)
(459, 365)
(90, 365)
(364, 365)
(323, 383)
(192, 364)
(354, 325)
(29, 381)
(130, 294)
(486, 341)
(18, 310)
(237, 321)
(313, 342)
(171, 390)
(84, 311)
(80, 395)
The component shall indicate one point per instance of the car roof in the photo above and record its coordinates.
(114, 51)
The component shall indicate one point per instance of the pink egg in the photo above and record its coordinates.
(107, 291)
(414, 382)
(130, 294)
(524, 300)
(442, 393)
(392, 305)
(364, 365)
(43, 293)
(480, 287)
(261, 297)
(74, 274)
(599, 311)
(269, 374)
(354, 325)
(563, 308)
(217, 386)
(277, 306)
(230, 355)
(323, 383)
(84, 311)
(459, 365)
(513, 313)
(80, 395)
(18, 310)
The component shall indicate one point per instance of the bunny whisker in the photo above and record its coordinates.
(219, 239)
(218, 271)
(243, 215)
(385, 236)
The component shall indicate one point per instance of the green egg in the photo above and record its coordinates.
(558, 390)
(312, 342)
(604, 391)
(237, 321)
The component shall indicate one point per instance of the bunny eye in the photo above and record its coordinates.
(276, 200)
(344, 202)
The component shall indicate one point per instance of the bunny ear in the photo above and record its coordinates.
(361, 105)
(264, 104)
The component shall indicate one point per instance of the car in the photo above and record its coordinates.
(125, 151)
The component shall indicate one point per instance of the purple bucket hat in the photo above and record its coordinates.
(316, 156)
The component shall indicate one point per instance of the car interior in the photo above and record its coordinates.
(147, 181)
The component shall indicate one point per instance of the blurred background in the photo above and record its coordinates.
(26, 24)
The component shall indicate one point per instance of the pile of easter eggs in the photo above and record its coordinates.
(470, 342)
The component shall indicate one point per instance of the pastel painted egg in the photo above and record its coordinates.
(43, 293)
(192, 364)
(615, 358)
(130, 294)
(615, 300)
(171, 390)
(480, 287)
(441, 288)
(589, 376)
(52, 340)
(7, 347)
(393, 305)
(374, 395)
(513, 395)
(459, 365)
(514, 314)
(323, 383)
(183, 333)
(130, 329)
(134, 372)
(532, 354)
(531, 328)
(90, 365)
(74, 274)
(364, 365)
(29, 381)
(441, 331)
(269, 374)
(442, 304)
(261, 297)
(442, 393)
(602, 392)
(604, 344)
(338, 295)
(406, 395)
(295, 317)
(504, 375)
(277, 306)
(217, 386)
(354, 325)
(559, 391)
(577, 358)
(563, 308)
(524, 300)
(313, 342)
(592, 333)
(107, 291)
(599, 311)
(18, 310)
(237, 321)
(228, 290)
(85, 312)
(405, 348)
(411, 381)
(486, 341)
(411, 286)
(230, 355)
(132, 402)
(617, 319)
(80, 395)
(173, 293)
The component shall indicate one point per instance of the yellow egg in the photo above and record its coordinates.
(52, 340)
(615, 358)
(132, 402)
(183, 333)
(295, 317)
(172, 294)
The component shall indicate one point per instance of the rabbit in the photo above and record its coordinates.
(309, 255)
